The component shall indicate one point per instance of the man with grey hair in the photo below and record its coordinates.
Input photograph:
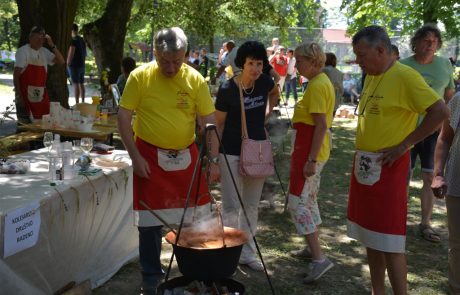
(438, 73)
(392, 98)
(167, 96)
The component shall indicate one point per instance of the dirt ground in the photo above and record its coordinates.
(276, 236)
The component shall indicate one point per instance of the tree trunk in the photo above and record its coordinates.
(106, 36)
(56, 16)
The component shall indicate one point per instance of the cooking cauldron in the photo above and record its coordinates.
(197, 262)
(232, 285)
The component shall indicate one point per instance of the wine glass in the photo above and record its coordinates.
(86, 144)
(48, 140)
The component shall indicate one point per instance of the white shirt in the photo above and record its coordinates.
(291, 68)
(26, 55)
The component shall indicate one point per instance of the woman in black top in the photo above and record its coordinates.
(260, 96)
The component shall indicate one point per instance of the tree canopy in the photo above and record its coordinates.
(403, 15)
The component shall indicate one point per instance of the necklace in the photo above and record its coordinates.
(244, 89)
(370, 97)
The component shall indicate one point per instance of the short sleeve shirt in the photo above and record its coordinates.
(230, 61)
(26, 55)
(453, 163)
(80, 52)
(166, 108)
(389, 107)
(255, 104)
(438, 74)
(319, 98)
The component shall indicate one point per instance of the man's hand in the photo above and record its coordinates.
(390, 155)
(439, 186)
(49, 41)
(141, 167)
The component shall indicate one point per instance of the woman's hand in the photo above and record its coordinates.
(213, 173)
(309, 169)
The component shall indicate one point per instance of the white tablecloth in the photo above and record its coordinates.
(83, 234)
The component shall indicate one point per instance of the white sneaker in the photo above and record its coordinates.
(317, 270)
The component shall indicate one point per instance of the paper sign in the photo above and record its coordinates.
(22, 228)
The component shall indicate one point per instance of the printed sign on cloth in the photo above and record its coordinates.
(367, 169)
(22, 228)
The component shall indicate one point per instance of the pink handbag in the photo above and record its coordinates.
(256, 157)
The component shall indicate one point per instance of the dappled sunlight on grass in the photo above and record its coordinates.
(418, 183)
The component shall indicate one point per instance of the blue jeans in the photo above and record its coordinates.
(304, 86)
(149, 254)
(291, 85)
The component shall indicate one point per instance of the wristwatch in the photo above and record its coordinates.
(213, 160)
(310, 160)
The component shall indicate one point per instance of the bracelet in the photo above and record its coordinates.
(213, 160)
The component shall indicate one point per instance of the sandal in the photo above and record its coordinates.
(428, 233)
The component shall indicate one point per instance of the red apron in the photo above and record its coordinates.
(381, 207)
(301, 150)
(167, 189)
(33, 90)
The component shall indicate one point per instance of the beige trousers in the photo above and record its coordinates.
(453, 219)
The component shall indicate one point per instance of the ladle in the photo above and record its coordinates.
(157, 216)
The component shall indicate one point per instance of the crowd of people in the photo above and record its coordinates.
(393, 95)
(401, 108)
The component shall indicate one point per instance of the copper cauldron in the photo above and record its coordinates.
(207, 256)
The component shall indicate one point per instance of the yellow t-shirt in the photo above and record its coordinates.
(166, 108)
(319, 98)
(389, 107)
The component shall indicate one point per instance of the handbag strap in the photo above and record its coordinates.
(244, 127)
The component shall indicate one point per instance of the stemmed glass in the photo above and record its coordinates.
(48, 140)
(86, 144)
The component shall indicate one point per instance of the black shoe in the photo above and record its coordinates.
(149, 288)
(148, 291)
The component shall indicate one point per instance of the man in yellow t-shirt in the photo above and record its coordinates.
(167, 95)
(393, 96)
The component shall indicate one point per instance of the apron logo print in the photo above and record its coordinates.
(367, 170)
(364, 163)
(174, 160)
(364, 167)
(36, 93)
(172, 154)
